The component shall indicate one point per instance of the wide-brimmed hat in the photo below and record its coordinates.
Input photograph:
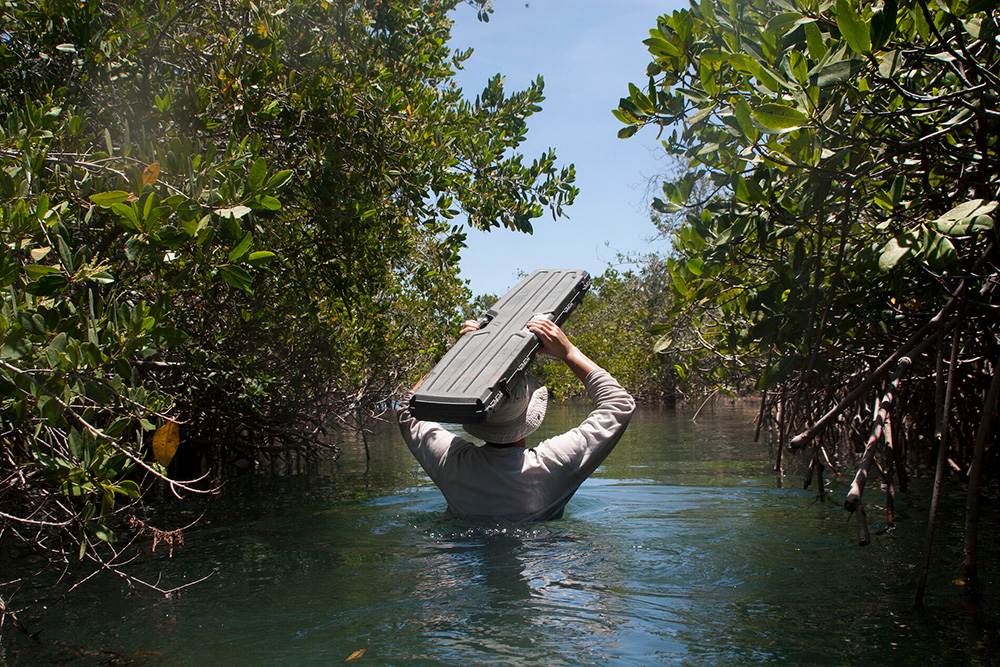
(517, 416)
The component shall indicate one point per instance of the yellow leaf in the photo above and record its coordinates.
(151, 173)
(165, 442)
(357, 654)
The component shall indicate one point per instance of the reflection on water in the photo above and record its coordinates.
(681, 550)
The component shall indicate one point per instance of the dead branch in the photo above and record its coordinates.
(878, 427)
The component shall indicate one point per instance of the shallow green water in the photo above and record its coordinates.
(682, 550)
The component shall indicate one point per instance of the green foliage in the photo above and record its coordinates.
(851, 150)
(240, 218)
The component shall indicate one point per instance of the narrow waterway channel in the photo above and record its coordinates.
(683, 549)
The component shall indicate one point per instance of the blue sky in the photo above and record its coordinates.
(587, 51)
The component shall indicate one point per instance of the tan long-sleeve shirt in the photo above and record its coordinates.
(518, 483)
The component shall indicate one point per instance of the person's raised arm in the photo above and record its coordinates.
(556, 344)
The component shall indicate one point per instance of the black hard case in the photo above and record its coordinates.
(472, 377)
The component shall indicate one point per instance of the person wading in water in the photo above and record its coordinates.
(505, 478)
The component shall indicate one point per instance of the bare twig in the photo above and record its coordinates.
(878, 425)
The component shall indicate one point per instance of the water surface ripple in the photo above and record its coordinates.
(682, 550)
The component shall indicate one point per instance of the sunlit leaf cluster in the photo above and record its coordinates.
(851, 155)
